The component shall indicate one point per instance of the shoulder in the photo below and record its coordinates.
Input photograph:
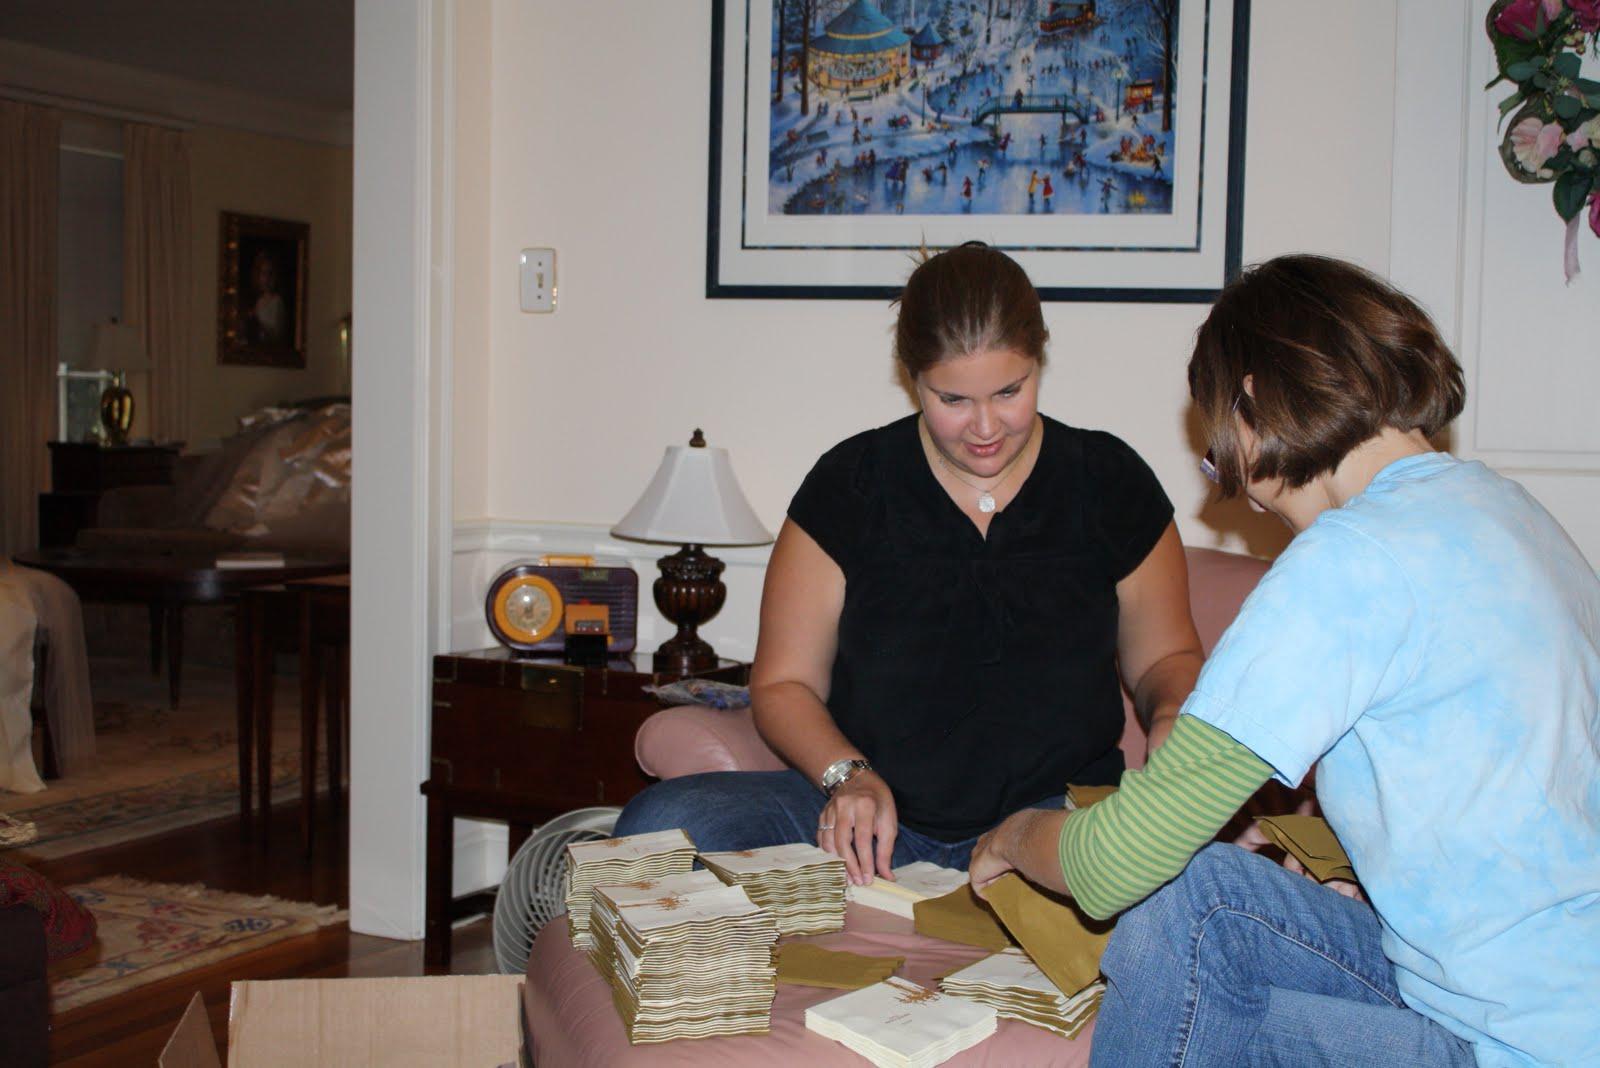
(855, 463)
(1104, 454)
(1104, 467)
(1340, 559)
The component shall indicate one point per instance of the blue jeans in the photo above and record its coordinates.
(1241, 962)
(728, 810)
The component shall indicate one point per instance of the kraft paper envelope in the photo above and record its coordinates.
(1063, 942)
(1312, 842)
(960, 916)
(1084, 796)
(804, 964)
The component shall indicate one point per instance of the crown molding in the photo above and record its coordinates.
(95, 86)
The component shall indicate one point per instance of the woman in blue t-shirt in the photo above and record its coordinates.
(1430, 640)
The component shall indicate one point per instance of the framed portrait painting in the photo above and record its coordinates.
(1100, 143)
(261, 291)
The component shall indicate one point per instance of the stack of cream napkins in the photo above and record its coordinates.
(914, 882)
(1018, 990)
(619, 860)
(802, 886)
(896, 1022)
(686, 957)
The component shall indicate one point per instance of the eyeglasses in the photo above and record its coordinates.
(1208, 462)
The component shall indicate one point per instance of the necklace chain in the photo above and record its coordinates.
(986, 502)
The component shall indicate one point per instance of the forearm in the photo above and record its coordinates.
(797, 726)
(1124, 848)
(1160, 692)
(1028, 842)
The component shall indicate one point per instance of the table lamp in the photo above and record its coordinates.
(118, 348)
(693, 500)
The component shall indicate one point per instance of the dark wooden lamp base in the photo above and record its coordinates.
(689, 592)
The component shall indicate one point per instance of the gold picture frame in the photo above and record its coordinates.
(261, 291)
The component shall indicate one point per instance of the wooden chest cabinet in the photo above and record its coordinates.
(524, 740)
(80, 473)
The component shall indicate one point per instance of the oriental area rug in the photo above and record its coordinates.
(158, 768)
(150, 931)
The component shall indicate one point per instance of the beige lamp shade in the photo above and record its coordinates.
(118, 347)
(693, 499)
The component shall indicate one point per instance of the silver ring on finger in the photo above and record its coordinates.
(824, 826)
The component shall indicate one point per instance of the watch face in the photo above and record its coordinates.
(523, 609)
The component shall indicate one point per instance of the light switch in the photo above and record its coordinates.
(538, 279)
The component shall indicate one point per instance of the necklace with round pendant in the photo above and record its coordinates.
(986, 501)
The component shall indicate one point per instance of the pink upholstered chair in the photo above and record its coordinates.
(570, 1010)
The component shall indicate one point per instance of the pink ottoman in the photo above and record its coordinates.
(575, 1023)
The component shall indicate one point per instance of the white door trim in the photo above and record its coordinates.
(401, 446)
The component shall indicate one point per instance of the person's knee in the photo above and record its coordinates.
(1166, 916)
(663, 806)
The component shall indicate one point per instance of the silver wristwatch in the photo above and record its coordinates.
(840, 772)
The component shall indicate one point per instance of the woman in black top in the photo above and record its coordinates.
(948, 605)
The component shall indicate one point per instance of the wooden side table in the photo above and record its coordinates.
(81, 472)
(524, 740)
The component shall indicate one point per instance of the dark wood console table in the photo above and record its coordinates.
(524, 740)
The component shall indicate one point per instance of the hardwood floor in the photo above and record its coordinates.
(131, 1029)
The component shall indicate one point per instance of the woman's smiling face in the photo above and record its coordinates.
(980, 407)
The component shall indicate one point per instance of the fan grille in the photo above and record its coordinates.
(533, 891)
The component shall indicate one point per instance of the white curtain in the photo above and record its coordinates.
(156, 267)
(30, 145)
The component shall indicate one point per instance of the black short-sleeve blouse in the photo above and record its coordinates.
(979, 675)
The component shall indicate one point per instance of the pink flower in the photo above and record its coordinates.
(1584, 136)
(1586, 13)
(1533, 142)
(1594, 214)
(1526, 19)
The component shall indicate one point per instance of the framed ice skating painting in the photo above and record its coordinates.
(1100, 143)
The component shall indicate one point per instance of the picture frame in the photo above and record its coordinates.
(261, 291)
(883, 138)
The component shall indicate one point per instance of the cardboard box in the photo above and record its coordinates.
(471, 1021)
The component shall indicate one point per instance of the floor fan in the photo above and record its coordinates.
(534, 889)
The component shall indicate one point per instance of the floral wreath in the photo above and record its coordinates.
(1555, 129)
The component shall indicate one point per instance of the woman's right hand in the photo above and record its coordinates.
(859, 823)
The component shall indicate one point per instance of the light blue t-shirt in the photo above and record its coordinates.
(1436, 644)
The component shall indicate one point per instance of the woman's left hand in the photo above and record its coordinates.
(990, 857)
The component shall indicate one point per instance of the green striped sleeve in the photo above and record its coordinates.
(1121, 850)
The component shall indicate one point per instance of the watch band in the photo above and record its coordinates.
(842, 771)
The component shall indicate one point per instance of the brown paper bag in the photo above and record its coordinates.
(961, 916)
(1063, 942)
(804, 964)
(1312, 842)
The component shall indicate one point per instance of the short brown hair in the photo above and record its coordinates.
(965, 300)
(1335, 354)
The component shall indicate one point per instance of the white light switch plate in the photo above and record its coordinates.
(538, 279)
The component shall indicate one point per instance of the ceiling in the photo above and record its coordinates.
(293, 50)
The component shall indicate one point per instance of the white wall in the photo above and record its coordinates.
(599, 135)
(1484, 253)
